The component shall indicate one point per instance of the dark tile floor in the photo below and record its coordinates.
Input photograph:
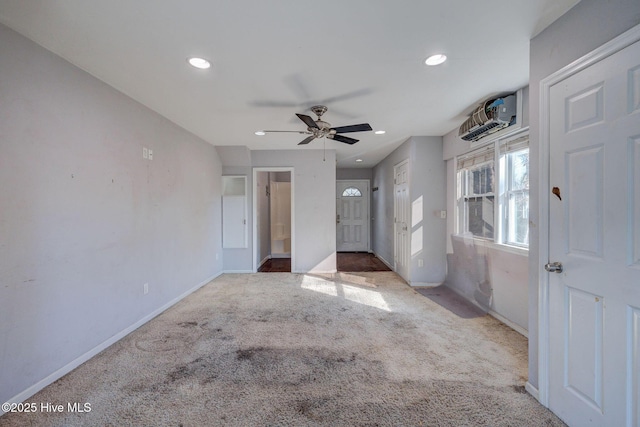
(360, 261)
(347, 261)
(276, 265)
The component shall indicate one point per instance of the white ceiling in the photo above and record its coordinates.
(364, 59)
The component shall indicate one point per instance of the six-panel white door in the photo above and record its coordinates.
(402, 220)
(594, 232)
(352, 216)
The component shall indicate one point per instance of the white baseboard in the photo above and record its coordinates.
(384, 261)
(265, 259)
(24, 395)
(238, 271)
(282, 255)
(532, 390)
(509, 323)
(425, 284)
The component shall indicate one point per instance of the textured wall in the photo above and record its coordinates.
(85, 220)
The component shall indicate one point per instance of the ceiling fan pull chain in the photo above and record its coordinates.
(324, 149)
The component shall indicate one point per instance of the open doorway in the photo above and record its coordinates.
(273, 220)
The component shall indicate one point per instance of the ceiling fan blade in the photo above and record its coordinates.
(307, 120)
(303, 132)
(353, 128)
(307, 140)
(344, 139)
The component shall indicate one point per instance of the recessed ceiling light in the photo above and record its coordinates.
(201, 63)
(436, 59)
(359, 160)
(380, 132)
(260, 133)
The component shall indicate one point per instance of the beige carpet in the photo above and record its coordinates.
(266, 349)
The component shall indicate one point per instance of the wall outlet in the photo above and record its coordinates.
(145, 288)
(145, 153)
(443, 214)
(150, 154)
(420, 263)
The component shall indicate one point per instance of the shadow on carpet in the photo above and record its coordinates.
(446, 298)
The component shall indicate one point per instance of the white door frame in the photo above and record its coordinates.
(255, 213)
(368, 183)
(626, 39)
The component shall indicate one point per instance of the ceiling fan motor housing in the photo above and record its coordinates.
(323, 129)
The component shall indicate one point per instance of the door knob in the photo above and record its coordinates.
(553, 267)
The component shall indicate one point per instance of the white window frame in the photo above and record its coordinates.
(514, 142)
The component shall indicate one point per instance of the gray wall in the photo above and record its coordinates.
(427, 180)
(85, 220)
(314, 196)
(354, 173)
(588, 25)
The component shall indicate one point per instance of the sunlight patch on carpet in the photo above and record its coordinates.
(351, 293)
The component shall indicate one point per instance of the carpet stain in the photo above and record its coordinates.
(519, 389)
(247, 353)
(166, 343)
(188, 324)
(309, 407)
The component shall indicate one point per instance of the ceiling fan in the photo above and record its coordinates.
(321, 129)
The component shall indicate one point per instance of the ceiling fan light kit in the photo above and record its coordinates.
(321, 129)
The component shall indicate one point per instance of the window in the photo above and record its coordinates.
(514, 164)
(482, 178)
(476, 195)
(351, 192)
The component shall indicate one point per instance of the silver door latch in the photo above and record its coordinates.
(554, 267)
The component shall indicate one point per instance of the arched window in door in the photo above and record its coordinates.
(351, 192)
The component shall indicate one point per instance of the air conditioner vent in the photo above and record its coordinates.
(491, 116)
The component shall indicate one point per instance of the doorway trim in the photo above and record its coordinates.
(255, 214)
(613, 46)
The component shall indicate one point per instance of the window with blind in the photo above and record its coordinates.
(493, 191)
(476, 174)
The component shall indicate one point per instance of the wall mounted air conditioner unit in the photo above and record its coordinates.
(491, 116)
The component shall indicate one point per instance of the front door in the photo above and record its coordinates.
(352, 216)
(594, 237)
(402, 215)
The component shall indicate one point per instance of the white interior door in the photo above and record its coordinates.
(352, 216)
(594, 233)
(402, 220)
(234, 212)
